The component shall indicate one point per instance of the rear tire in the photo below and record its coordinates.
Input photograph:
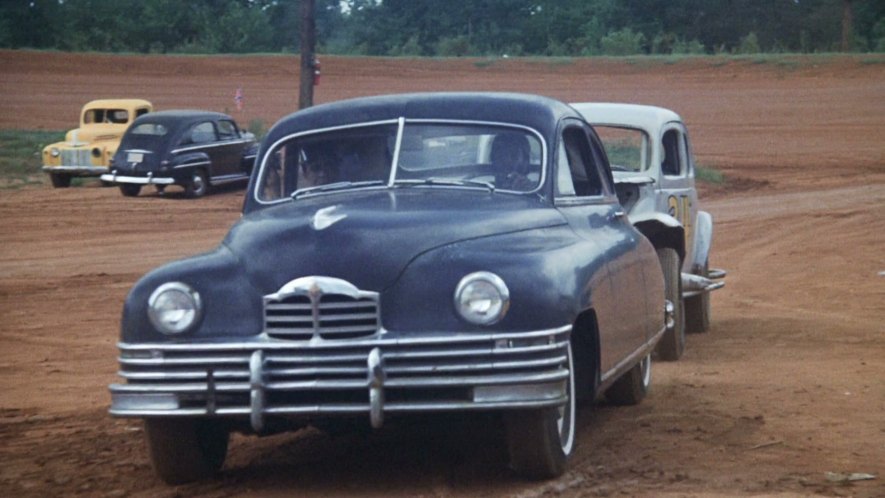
(185, 450)
(698, 311)
(632, 387)
(130, 189)
(672, 344)
(198, 184)
(59, 180)
(540, 441)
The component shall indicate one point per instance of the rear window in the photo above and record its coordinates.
(152, 129)
(627, 148)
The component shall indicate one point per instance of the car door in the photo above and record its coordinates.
(677, 193)
(584, 194)
(228, 153)
(199, 139)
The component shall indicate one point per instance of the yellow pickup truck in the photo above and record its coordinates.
(87, 150)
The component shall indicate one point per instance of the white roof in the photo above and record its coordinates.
(647, 117)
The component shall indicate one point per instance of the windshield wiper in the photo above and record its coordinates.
(335, 186)
(449, 182)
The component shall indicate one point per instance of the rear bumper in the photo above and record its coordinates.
(373, 376)
(693, 285)
(76, 170)
(140, 180)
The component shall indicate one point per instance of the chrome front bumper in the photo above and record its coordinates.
(374, 376)
(76, 170)
(141, 180)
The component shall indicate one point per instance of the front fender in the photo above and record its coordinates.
(231, 304)
(544, 269)
(703, 240)
(661, 229)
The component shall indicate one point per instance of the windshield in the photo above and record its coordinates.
(116, 116)
(430, 155)
(627, 148)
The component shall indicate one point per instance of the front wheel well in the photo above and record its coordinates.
(585, 354)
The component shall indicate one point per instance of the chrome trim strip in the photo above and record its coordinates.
(76, 169)
(208, 145)
(191, 165)
(269, 344)
(337, 409)
(141, 180)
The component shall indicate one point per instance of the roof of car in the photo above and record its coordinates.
(117, 103)
(533, 111)
(180, 117)
(633, 115)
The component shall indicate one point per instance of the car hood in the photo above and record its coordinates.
(94, 133)
(369, 237)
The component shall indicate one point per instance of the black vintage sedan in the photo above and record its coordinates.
(402, 255)
(193, 149)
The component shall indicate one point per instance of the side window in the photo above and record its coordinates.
(671, 164)
(576, 156)
(141, 111)
(226, 130)
(200, 134)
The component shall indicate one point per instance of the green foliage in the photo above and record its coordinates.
(749, 45)
(20, 155)
(457, 46)
(622, 42)
(565, 28)
(708, 175)
(258, 128)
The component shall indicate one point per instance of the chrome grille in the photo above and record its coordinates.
(316, 307)
(76, 157)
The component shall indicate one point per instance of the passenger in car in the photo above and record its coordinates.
(510, 158)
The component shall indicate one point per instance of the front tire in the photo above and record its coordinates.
(59, 180)
(540, 441)
(130, 189)
(185, 450)
(632, 387)
(672, 344)
(698, 310)
(198, 184)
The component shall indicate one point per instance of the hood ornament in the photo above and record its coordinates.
(326, 217)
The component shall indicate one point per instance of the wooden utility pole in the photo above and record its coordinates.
(847, 26)
(308, 54)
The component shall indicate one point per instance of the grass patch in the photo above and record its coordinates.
(708, 175)
(20, 155)
(484, 63)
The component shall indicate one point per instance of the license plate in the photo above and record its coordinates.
(134, 157)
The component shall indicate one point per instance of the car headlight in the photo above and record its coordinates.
(54, 152)
(96, 152)
(482, 298)
(174, 308)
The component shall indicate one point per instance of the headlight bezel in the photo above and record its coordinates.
(54, 152)
(192, 313)
(475, 284)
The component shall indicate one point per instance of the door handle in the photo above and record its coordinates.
(620, 213)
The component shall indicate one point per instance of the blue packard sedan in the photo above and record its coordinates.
(398, 256)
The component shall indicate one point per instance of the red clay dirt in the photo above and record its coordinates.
(788, 385)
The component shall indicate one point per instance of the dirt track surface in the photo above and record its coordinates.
(788, 385)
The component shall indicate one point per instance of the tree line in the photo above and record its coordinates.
(448, 27)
